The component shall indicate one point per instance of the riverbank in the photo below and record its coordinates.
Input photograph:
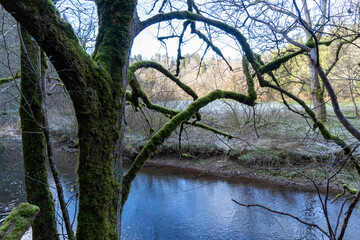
(278, 147)
(294, 169)
(290, 165)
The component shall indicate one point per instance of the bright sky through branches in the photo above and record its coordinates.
(148, 45)
(82, 16)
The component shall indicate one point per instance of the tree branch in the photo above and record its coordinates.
(169, 127)
(150, 64)
(18, 221)
(348, 215)
(10, 79)
(282, 213)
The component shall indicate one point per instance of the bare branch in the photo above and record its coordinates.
(149, 64)
(348, 215)
(282, 213)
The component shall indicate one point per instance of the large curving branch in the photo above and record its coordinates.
(57, 38)
(169, 127)
(339, 114)
(185, 15)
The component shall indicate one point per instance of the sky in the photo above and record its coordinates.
(147, 45)
(146, 42)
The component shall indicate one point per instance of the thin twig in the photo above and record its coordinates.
(282, 213)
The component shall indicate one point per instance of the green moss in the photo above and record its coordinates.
(128, 95)
(114, 39)
(6, 80)
(98, 134)
(214, 130)
(250, 81)
(18, 221)
(311, 43)
(346, 188)
(37, 187)
(350, 190)
(328, 136)
(169, 127)
(275, 64)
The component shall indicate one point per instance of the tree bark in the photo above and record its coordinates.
(317, 93)
(352, 95)
(97, 89)
(37, 186)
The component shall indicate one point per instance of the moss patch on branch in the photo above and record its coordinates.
(19, 220)
(10, 79)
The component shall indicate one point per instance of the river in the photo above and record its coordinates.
(167, 203)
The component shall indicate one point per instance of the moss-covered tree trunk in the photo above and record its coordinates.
(317, 93)
(96, 86)
(99, 129)
(37, 187)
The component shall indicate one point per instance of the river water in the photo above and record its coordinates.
(167, 203)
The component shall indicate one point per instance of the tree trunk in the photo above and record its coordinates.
(97, 89)
(353, 98)
(98, 198)
(317, 93)
(37, 186)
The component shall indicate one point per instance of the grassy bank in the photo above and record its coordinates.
(269, 142)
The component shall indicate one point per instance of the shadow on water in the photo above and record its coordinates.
(169, 203)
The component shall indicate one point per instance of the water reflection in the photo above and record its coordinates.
(179, 206)
(173, 204)
(12, 189)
